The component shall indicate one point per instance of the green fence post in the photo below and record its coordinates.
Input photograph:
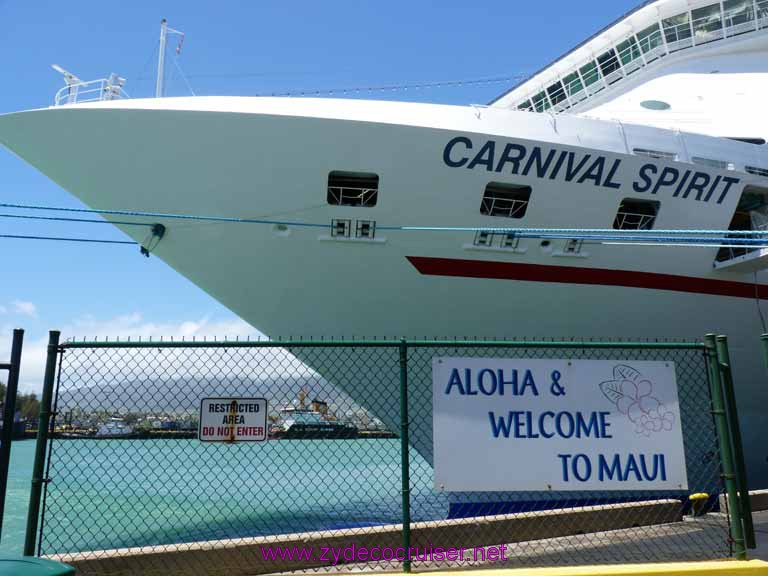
(740, 468)
(9, 413)
(38, 470)
(721, 423)
(405, 465)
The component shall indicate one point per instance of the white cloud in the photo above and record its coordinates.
(25, 308)
(128, 326)
(133, 326)
(32, 359)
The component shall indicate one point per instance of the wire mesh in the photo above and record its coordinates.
(132, 490)
(647, 534)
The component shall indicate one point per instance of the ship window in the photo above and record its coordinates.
(751, 214)
(658, 154)
(540, 102)
(506, 200)
(650, 38)
(609, 62)
(636, 214)
(353, 189)
(556, 93)
(708, 23)
(757, 171)
(628, 51)
(719, 164)
(736, 13)
(589, 73)
(677, 29)
(573, 84)
(526, 106)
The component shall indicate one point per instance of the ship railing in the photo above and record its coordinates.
(739, 21)
(92, 91)
(710, 28)
(579, 94)
(762, 10)
(727, 253)
(597, 86)
(613, 77)
(633, 66)
(635, 52)
(740, 28)
(566, 95)
(346, 195)
(503, 207)
(703, 36)
(652, 46)
(679, 36)
(633, 221)
(559, 99)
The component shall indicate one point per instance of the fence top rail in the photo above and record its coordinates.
(391, 343)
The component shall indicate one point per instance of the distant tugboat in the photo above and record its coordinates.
(115, 427)
(311, 423)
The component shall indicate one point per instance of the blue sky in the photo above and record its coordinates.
(231, 48)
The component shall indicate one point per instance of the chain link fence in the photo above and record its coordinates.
(129, 489)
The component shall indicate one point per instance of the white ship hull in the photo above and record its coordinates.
(270, 159)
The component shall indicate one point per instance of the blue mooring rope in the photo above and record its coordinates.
(496, 230)
(63, 219)
(65, 239)
(748, 238)
(172, 216)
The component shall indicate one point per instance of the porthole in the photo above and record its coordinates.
(655, 105)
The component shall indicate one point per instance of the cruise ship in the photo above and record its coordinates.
(654, 123)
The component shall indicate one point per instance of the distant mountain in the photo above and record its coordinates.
(183, 395)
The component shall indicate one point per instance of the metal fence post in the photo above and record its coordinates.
(721, 423)
(732, 415)
(9, 413)
(38, 470)
(405, 465)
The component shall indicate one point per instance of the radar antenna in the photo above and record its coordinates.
(69, 78)
(94, 91)
(72, 82)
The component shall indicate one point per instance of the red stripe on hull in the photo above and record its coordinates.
(592, 276)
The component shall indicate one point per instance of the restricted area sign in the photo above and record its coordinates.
(233, 420)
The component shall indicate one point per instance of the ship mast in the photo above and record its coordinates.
(164, 31)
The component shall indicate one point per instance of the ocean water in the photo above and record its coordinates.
(115, 493)
(17, 497)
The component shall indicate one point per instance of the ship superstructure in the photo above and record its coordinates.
(643, 127)
(695, 66)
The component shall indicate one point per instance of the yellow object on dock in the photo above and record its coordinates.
(698, 503)
(712, 568)
(698, 496)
